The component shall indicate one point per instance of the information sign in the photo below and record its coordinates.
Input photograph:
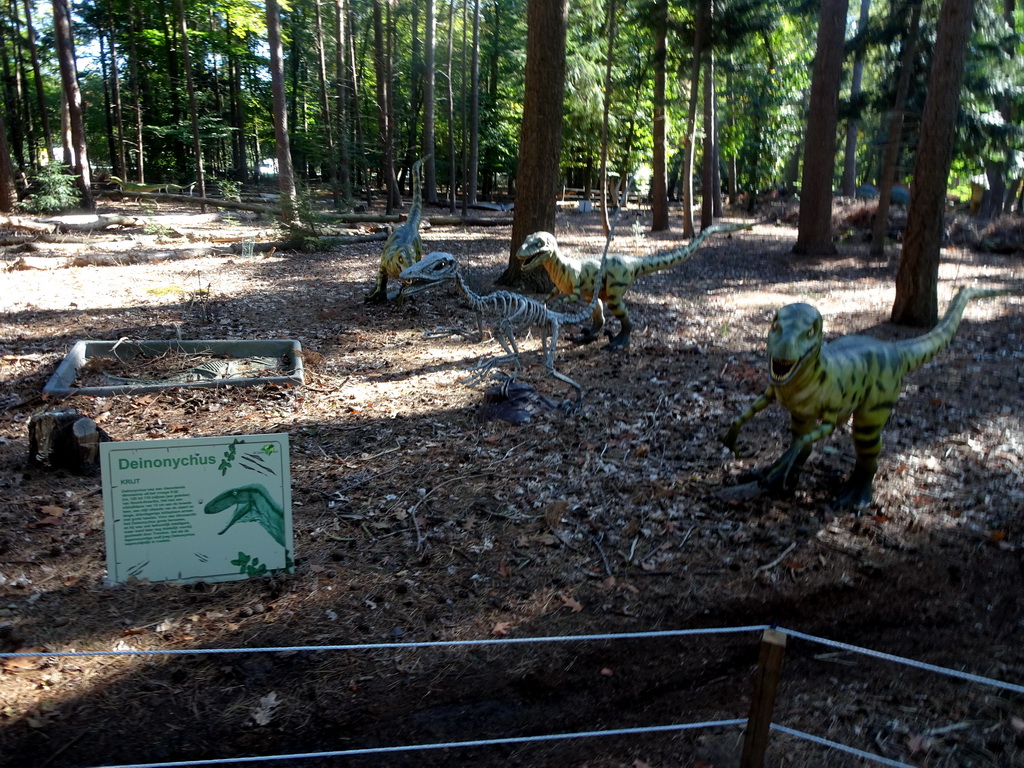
(197, 509)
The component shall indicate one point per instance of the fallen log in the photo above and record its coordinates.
(54, 226)
(234, 205)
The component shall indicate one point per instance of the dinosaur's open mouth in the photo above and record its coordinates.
(416, 284)
(531, 261)
(782, 370)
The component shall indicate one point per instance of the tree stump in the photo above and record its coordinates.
(65, 439)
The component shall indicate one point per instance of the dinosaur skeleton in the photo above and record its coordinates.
(403, 247)
(514, 311)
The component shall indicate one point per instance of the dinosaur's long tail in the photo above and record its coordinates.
(676, 256)
(920, 349)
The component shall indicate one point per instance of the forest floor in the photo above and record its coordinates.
(417, 517)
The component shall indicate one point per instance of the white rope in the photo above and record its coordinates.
(392, 646)
(443, 745)
(840, 747)
(908, 662)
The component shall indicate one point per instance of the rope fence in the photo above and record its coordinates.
(758, 724)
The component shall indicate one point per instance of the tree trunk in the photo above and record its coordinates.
(285, 173)
(659, 181)
(8, 192)
(133, 70)
(341, 103)
(995, 200)
(815, 232)
(430, 171)
(474, 110)
(326, 122)
(540, 139)
(236, 112)
(708, 163)
(190, 88)
(887, 175)
(849, 184)
(385, 114)
(917, 301)
(605, 117)
(37, 77)
(73, 96)
(451, 107)
(691, 121)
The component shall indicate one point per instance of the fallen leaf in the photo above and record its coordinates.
(919, 743)
(502, 628)
(607, 672)
(575, 606)
(264, 711)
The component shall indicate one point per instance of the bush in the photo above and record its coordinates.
(52, 190)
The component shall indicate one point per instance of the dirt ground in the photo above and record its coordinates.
(418, 518)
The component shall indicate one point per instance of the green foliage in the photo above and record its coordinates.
(52, 190)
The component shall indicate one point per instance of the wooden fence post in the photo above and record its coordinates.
(762, 705)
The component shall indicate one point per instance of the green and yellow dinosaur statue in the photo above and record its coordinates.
(403, 247)
(574, 276)
(131, 188)
(823, 385)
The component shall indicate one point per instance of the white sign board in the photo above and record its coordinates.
(197, 509)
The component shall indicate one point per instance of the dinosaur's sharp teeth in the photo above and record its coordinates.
(780, 369)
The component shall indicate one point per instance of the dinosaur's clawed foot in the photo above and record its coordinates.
(587, 337)
(856, 492)
(617, 341)
(376, 297)
(572, 407)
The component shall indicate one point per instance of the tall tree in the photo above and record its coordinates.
(690, 148)
(659, 178)
(341, 95)
(37, 77)
(849, 183)
(430, 173)
(815, 232)
(73, 98)
(8, 194)
(285, 172)
(385, 106)
(540, 138)
(474, 111)
(606, 109)
(917, 300)
(890, 159)
(709, 162)
(190, 89)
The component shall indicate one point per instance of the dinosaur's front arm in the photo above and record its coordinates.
(731, 436)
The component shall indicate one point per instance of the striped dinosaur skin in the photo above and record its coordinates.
(403, 247)
(575, 277)
(823, 385)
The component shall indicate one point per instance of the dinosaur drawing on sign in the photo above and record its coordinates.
(252, 504)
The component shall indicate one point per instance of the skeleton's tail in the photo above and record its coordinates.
(919, 350)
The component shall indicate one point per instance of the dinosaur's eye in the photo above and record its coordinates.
(810, 332)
